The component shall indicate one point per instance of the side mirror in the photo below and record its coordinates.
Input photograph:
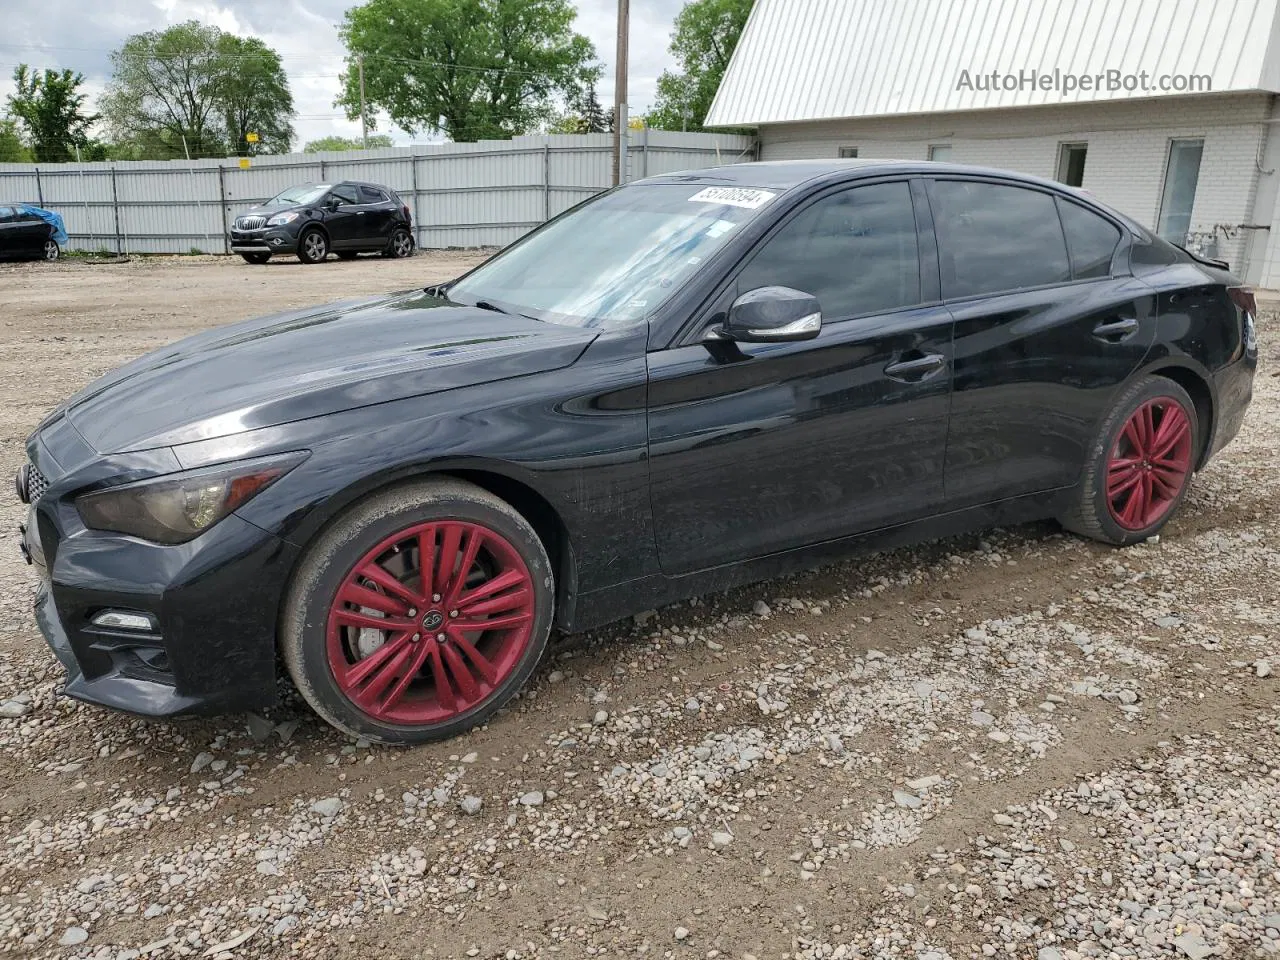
(332, 203)
(772, 315)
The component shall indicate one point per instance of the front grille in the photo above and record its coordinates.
(36, 483)
(251, 223)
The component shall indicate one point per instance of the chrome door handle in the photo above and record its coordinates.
(916, 368)
(1116, 331)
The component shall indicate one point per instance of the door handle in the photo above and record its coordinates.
(1116, 331)
(917, 368)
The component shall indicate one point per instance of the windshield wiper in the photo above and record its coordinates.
(486, 305)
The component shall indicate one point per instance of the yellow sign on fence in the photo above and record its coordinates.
(244, 163)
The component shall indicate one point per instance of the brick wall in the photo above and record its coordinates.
(1128, 150)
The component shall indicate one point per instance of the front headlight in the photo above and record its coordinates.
(176, 508)
(280, 219)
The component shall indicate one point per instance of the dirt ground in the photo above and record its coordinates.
(1016, 744)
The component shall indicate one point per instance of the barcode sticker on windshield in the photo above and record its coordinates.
(734, 197)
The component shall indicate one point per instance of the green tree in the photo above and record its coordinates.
(587, 116)
(706, 33)
(471, 69)
(49, 108)
(376, 142)
(194, 90)
(12, 149)
(254, 96)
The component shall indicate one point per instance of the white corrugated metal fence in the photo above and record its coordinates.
(460, 194)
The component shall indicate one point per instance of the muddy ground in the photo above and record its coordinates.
(1013, 744)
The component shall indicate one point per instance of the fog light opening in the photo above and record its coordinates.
(123, 620)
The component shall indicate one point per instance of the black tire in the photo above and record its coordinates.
(400, 245)
(313, 245)
(345, 254)
(258, 258)
(305, 628)
(1092, 512)
(51, 250)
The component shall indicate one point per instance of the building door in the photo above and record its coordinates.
(1180, 178)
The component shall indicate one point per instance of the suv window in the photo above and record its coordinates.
(372, 194)
(856, 251)
(345, 192)
(1091, 240)
(6, 214)
(993, 237)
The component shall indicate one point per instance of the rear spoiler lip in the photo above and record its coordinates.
(1207, 261)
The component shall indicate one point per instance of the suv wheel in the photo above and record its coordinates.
(313, 246)
(51, 250)
(401, 244)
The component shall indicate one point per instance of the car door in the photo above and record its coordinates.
(31, 233)
(758, 448)
(343, 217)
(10, 239)
(1049, 323)
(376, 211)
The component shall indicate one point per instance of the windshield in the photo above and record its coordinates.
(307, 193)
(615, 259)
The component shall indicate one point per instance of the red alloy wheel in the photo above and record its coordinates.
(430, 622)
(1149, 464)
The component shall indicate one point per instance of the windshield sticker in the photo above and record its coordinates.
(734, 197)
(720, 227)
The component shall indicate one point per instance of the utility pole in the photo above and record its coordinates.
(364, 117)
(620, 94)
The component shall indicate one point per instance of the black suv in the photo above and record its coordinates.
(314, 219)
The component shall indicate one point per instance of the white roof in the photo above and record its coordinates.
(830, 59)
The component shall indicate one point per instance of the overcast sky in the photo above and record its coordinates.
(80, 34)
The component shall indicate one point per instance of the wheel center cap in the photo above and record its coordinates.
(432, 620)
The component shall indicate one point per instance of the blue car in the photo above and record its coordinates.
(30, 233)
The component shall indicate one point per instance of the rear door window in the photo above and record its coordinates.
(994, 237)
(1091, 240)
(372, 195)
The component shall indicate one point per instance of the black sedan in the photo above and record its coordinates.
(316, 219)
(681, 385)
(30, 233)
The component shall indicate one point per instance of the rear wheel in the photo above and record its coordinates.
(256, 257)
(313, 246)
(419, 613)
(1141, 465)
(400, 245)
(51, 250)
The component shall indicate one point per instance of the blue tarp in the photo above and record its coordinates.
(59, 228)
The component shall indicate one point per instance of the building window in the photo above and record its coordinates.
(1180, 179)
(940, 152)
(848, 153)
(1071, 163)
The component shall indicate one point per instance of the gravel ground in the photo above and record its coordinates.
(1015, 745)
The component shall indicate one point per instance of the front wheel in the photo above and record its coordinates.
(313, 246)
(51, 250)
(1140, 465)
(419, 613)
(400, 245)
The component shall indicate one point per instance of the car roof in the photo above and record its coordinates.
(788, 174)
(363, 183)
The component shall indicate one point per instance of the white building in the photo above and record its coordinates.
(1183, 134)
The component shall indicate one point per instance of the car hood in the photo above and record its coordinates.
(309, 363)
(267, 209)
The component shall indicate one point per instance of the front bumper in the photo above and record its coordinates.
(212, 604)
(266, 240)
